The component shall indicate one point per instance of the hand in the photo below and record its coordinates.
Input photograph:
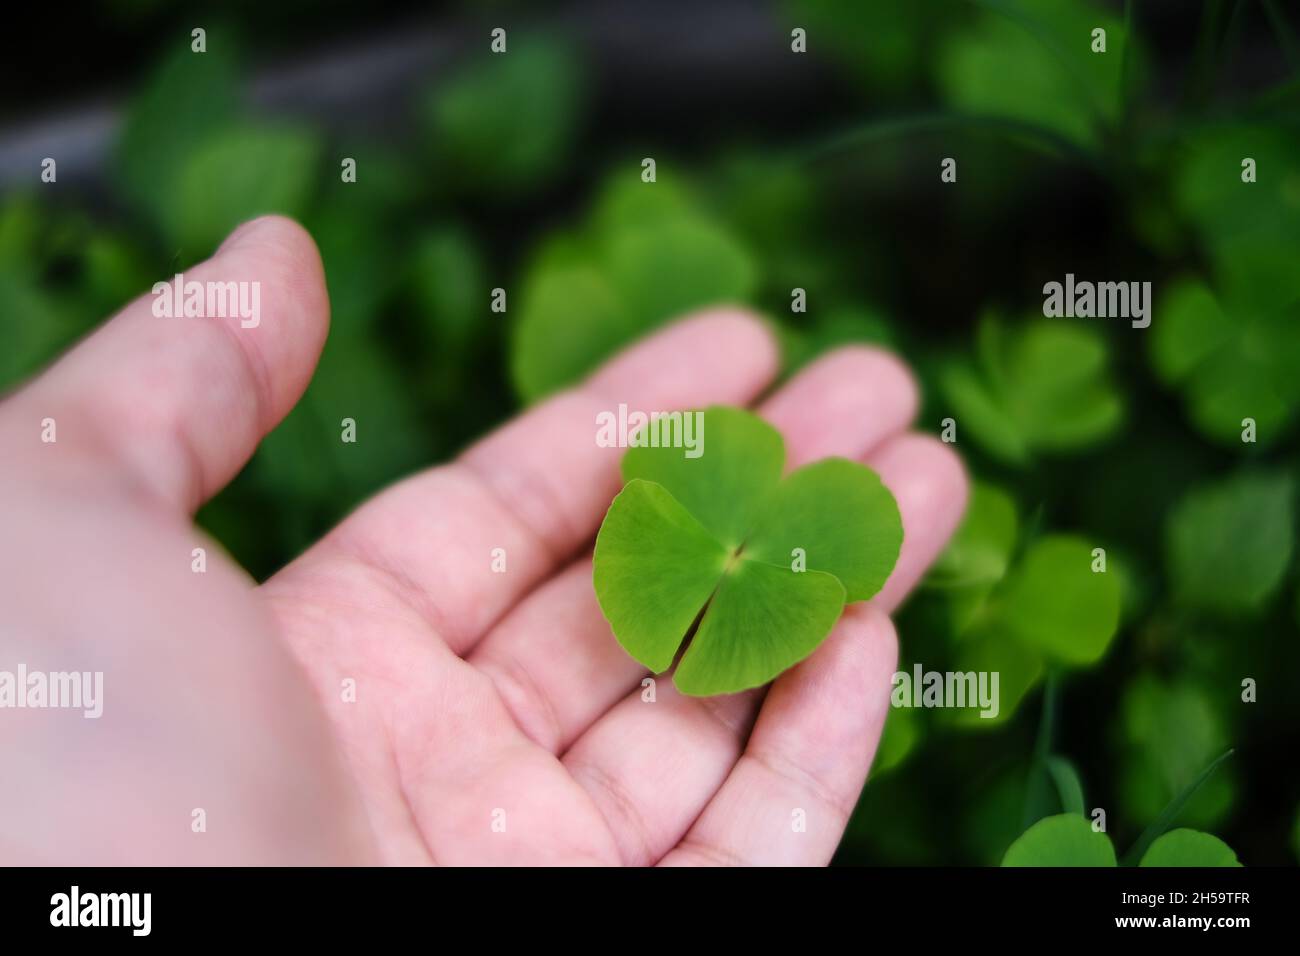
(493, 717)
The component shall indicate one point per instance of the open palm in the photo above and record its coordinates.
(393, 695)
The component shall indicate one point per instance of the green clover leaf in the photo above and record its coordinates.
(1232, 362)
(1033, 62)
(751, 569)
(1229, 543)
(645, 254)
(1069, 840)
(1042, 388)
(1185, 847)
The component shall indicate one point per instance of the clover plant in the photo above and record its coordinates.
(749, 569)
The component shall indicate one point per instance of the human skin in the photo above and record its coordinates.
(481, 698)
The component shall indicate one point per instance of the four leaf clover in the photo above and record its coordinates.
(722, 553)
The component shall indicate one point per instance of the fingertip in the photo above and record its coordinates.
(859, 362)
(930, 463)
(928, 480)
(281, 257)
(845, 403)
(872, 631)
(735, 327)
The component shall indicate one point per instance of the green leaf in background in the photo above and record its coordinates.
(305, 456)
(115, 272)
(1041, 388)
(885, 44)
(902, 734)
(978, 555)
(247, 171)
(1069, 789)
(364, 256)
(777, 208)
(1229, 543)
(1250, 229)
(187, 101)
(989, 648)
(1054, 602)
(571, 319)
(722, 539)
(1170, 734)
(451, 288)
(1064, 840)
(838, 325)
(1171, 811)
(1033, 62)
(663, 270)
(1192, 327)
(980, 549)
(1230, 367)
(450, 291)
(1189, 848)
(36, 325)
(981, 412)
(645, 256)
(38, 318)
(504, 123)
(1056, 386)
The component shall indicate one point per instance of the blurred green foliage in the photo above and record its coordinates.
(1119, 687)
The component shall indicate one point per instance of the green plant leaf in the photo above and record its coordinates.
(885, 44)
(1056, 387)
(903, 732)
(989, 648)
(1229, 543)
(1033, 62)
(245, 171)
(1064, 840)
(505, 122)
(655, 567)
(762, 620)
(738, 468)
(1189, 848)
(980, 550)
(571, 319)
(1170, 813)
(1054, 602)
(978, 409)
(187, 102)
(857, 540)
(664, 269)
(646, 255)
(721, 539)
(1043, 387)
(1171, 734)
(1068, 787)
(1230, 366)
(1239, 221)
